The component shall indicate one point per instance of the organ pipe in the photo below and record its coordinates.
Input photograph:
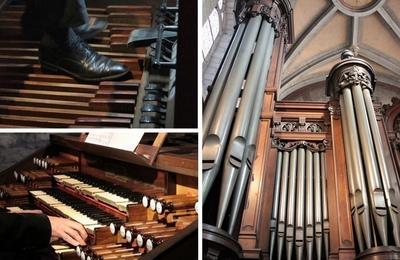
(391, 191)
(215, 141)
(357, 186)
(325, 215)
(219, 84)
(291, 204)
(309, 205)
(244, 172)
(352, 81)
(238, 136)
(282, 202)
(299, 209)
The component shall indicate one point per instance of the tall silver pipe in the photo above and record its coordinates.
(275, 203)
(309, 205)
(282, 205)
(325, 215)
(360, 191)
(238, 136)
(377, 197)
(219, 84)
(391, 193)
(215, 142)
(350, 178)
(290, 219)
(300, 201)
(317, 204)
(244, 173)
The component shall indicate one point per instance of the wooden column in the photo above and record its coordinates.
(342, 241)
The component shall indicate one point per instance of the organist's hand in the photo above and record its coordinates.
(26, 211)
(68, 230)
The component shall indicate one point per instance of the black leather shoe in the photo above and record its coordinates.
(80, 62)
(90, 29)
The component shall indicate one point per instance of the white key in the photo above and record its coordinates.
(59, 177)
(37, 193)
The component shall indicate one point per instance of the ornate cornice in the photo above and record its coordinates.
(350, 71)
(288, 146)
(278, 13)
(355, 75)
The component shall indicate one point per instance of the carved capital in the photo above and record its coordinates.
(334, 111)
(272, 11)
(349, 72)
(355, 75)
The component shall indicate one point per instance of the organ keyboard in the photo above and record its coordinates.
(105, 195)
(116, 196)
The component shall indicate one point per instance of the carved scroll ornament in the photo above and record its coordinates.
(289, 146)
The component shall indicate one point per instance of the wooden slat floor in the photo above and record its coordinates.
(32, 98)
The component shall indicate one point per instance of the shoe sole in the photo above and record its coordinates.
(54, 68)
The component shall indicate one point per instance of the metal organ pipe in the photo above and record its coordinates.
(361, 202)
(282, 206)
(309, 205)
(215, 141)
(325, 215)
(238, 136)
(352, 81)
(275, 201)
(219, 84)
(377, 198)
(302, 198)
(244, 172)
(299, 231)
(290, 218)
(391, 191)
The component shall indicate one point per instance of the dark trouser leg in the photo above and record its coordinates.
(62, 50)
(62, 13)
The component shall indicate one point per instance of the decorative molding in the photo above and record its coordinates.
(314, 128)
(359, 12)
(348, 72)
(355, 75)
(396, 128)
(334, 110)
(287, 146)
(308, 127)
(289, 127)
(270, 11)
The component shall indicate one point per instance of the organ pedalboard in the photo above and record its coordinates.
(31, 97)
(126, 216)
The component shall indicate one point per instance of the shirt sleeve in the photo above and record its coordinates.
(24, 231)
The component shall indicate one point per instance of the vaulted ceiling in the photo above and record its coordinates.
(324, 28)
